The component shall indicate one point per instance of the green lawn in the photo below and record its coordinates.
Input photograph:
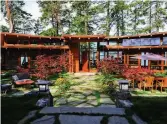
(15, 108)
(151, 109)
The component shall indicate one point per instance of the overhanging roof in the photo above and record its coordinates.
(29, 36)
(90, 38)
(157, 34)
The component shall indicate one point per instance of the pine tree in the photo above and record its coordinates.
(19, 20)
(38, 27)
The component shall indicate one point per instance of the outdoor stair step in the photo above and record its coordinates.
(83, 110)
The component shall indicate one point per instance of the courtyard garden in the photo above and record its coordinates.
(84, 90)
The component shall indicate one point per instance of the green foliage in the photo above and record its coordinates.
(48, 32)
(4, 28)
(106, 78)
(89, 17)
(38, 27)
(63, 82)
(21, 20)
(63, 85)
(160, 74)
(8, 74)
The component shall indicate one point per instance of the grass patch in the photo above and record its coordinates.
(151, 109)
(97, 95)
(148, 93)
(15, 108)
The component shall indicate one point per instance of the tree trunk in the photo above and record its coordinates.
(108, 19)
(135, 21)
(122, 23)
(150, 17)
(9, 16)
(86, 18)
(157, 16)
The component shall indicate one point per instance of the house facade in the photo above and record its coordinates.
(85, 50)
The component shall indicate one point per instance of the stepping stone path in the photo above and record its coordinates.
(89, 110)
(44, 120)
(83, 103)
(117, 120)
(106, 101)
(75, 119)
(84, 94)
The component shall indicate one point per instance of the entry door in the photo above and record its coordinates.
(85, 61)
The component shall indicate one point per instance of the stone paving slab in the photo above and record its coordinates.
(45, 120)
(84, 105)
(106, 105)
(92, 102)
(75, 119)
(117, 120)
(84, 110)
(104, 96)
(108, 111)
(75, 110)
(106, 101)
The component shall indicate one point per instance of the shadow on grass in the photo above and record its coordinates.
(15, 108)
(151, 109)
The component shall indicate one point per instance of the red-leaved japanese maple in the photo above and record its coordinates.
(137, 73)
(110, 65)
(48, 65)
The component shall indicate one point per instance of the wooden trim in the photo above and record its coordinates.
(134, 47)
(149, 64)
(139, 62)
(28, 36)
(35, 46)
(162, 63)
(158, 34)
(125, 59)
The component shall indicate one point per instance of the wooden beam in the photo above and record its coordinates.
(139, 61)
(133, 47)
(22, 46)
(125, 59)
(162, 62)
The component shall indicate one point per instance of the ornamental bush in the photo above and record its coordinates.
(137, 73)
(48, 65)
(111, 65)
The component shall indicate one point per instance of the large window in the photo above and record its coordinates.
(164, 40)
(141, 42)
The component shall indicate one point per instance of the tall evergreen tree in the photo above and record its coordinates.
(156, 12)
(83, 21)
(19, 20)
(52, 13)
(38, 27)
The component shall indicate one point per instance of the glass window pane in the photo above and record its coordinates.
(165, 40)
(126, 42)
(155, 41)
(145, 41)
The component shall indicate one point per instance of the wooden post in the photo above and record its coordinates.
(29, 62)
(107, 50)
(162, 63)
(161, 40)
(149, 64)
(128, 59)
(98, 53)
(139, 62)
(124, 59)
